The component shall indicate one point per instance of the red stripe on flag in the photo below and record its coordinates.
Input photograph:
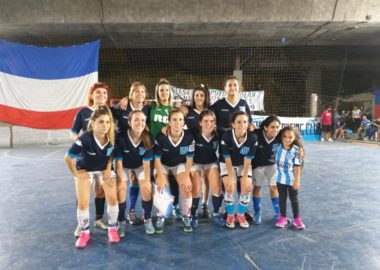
(41, 120)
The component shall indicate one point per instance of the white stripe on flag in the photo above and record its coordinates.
(44, 95)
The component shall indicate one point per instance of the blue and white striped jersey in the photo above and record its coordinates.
(286, 160)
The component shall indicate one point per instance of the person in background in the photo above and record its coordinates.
(327, 121)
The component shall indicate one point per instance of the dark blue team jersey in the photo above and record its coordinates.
(81, 120)
(205, 150)
(231, 149)
(192, 119)
(224, 111)
(171, 155)
(131, 154)
(90, 155)
(266, 150)
(121, 117)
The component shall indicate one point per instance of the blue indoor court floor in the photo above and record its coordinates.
(339, 202)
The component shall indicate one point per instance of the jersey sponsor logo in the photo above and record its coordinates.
(109, 151)
(141, 151)
(242, 108)
(283, 165)
(190, 117)
(126, 151)
(125, 117)
(161, 118)
(183, 150)
(199, 145)
(165, 150)
(78, 142)
(244, 150)
(87, 119)
(91, 153)
(225, 110)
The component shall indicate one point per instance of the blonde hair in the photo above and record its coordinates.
(134, 87)
(99, 111)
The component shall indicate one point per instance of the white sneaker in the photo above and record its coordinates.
(322, 140)
(330, 140)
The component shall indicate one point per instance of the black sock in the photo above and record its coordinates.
(194, 206)
(174, 189)
(147, 206)
(99, 207)
(122, 207)
(216, 202)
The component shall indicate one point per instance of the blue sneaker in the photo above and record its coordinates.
(257, 218)
(194, 222)
(218, 220)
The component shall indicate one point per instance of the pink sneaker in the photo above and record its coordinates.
(281, 222)
(83, 240)
(230, 221)
(297, 222)
(113, 235)
(242, 221)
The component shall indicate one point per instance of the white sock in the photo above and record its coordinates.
(186, 206)
(83, 217)
(112, 212)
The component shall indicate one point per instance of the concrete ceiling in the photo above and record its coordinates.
(191, 23)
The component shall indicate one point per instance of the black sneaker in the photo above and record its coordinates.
(205, 213)
(249, 216)
(132, 218)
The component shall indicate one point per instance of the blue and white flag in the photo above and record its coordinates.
(43, 87)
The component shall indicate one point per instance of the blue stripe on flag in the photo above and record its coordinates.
(48, 63)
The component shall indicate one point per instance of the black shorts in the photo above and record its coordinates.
(327, 128)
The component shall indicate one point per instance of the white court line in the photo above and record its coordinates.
(6, 154)
(52, 153)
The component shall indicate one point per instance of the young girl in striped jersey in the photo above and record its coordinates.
(289, 159)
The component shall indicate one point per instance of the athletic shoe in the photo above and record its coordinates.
(297, 222)
(121, 228)
(101, 224)
(249, 216)
(322, 140)
(160, 223)
(230, 222)
(205, 213)
(149, 228)
(330, 140)
(281, 222)
(242, 221)
(113, 235)
(177, 213)
(77, 231)
(257, 218)
(218, 220)
(84, 238)
(194, 222)
(132, 218)
(187, 224)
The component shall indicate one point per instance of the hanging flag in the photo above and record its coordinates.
(43, 87)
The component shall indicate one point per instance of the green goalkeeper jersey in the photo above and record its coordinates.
(159, 117)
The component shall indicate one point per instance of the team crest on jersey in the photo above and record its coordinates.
(215, 145)
(242, 108)
(244, 150)
(275, 147)
(183, 150)
(141, 151)
(109, 151)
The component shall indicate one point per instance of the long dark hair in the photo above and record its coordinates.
(267, 121)
(205, 91)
